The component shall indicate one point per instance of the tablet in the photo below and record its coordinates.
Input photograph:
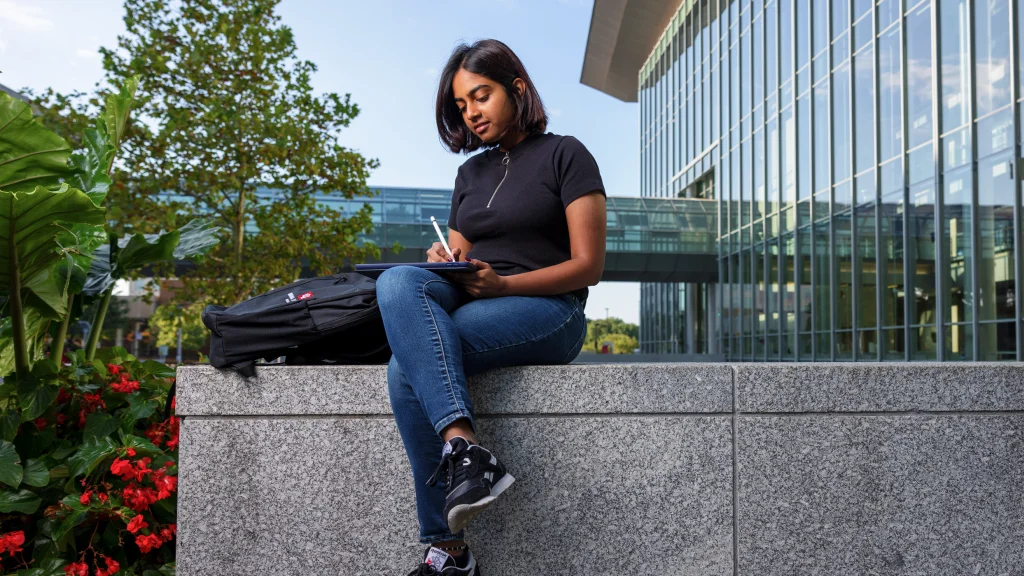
(435, 266)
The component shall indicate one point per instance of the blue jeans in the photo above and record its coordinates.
(439, 335)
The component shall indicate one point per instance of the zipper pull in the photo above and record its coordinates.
(504, 161)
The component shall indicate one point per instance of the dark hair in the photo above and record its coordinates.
(497, 62)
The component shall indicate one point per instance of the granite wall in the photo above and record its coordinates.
(665, 469)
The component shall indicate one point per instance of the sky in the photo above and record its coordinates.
(386, 54)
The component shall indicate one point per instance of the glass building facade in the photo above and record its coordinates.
(864, 159)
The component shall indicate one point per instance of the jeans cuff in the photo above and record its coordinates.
(444, 422)
(442, 538)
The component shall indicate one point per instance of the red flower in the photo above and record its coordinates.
(125, 386)
(148, 542)
(85, 497)
(122, 468)
(174, 400)
(61, 419)
(137, 524)
(11, 542)
(165, 533)
(131, 451)
(103, 497)
(114, 369)
(112, 567)
(40, 423)
(139, 499)
(77, 569)
(155, 433)
(63, 396)
(166, 485)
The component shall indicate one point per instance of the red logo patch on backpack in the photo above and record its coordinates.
(305, 296)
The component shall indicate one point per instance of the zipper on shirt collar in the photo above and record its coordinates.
(504, 162)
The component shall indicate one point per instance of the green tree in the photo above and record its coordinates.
(598, 330)
(169, 318)
(227, 110)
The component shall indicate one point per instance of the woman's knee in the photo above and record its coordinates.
(397, 384)
(395, 283)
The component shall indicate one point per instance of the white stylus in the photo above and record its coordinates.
(443, 243)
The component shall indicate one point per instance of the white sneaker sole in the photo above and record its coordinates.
(461, 515)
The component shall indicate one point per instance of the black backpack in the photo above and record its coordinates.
(325, 320)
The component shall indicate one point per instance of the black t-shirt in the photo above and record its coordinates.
(524, 228)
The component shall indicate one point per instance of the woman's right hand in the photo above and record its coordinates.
(436, 253)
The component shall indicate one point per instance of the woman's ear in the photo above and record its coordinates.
(519, 85)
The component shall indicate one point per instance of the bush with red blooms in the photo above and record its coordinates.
(88, 468)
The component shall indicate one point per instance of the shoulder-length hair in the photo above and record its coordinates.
(497, 62)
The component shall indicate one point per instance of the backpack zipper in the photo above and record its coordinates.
(504, 161)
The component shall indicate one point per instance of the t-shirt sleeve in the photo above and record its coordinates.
(453, 223)
(576, 170)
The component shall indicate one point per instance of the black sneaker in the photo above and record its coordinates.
(440, 563)
(474, 478)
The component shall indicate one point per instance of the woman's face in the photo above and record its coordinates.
(484, 105)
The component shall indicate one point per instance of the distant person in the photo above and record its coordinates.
(529, 212)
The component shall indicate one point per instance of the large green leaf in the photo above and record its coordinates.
(116, 110)
(11, 471)
(92, 452)
(197, 237)
(34, 323)
(90, 165)
(9, 422)
(100, 276)
(21, 501)
(30, 223)
(48, 567)
(36, 473)
(100, 424)
(35, 398)
(30, 155)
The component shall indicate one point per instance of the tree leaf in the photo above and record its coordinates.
(32, 155)
(197, 237)
(91, 164)
(92, 452)
(69, 523)
(10, 465)
(34, 324)
(159, 369)
(48, 567)
(115, 112)
(99, 424)
(36, 473)
(21, 501)
(100, 276)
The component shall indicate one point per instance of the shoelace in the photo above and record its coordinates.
(450, 466)
(424, 570)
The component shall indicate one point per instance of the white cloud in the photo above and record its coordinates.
(24, 18)
(87, 54)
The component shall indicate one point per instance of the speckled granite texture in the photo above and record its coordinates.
(621, 469)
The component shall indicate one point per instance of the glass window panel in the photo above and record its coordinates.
(890, 275)
(803, 28)
(758, 174)
(788, 157)
(995, 132)
(866, 275)
(734, 91)
(893, 344)
(923, 343)
(921, 164)
(840, 50)
(759, 299)
(821, 203)
(997, 341)
(823, 352)
(996, 289)
(843, 247)
(919, 76)
(956, 149)
(842, 198)
(771, 22)
(819, 68)
(860, 8)
(1020, 61)
(803, 162)
(864, 113)
(892, 177)
(841, 123)
(821, 146)
(863, 32)
(758, 38)
(773, 166)
(953, 21)
(957, 240)
(889, 114)
(888, 12)
(746, 186)
(805, 289)
(822, 282)
(803, 80)
(786, 33)
(960, 342)
(745, 63)
(991, 55)
(789, 294)
(820, 25)
(772, 307)
(840, 17)
(864, 189)
(803, 213)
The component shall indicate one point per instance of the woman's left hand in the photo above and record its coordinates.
(484, 283)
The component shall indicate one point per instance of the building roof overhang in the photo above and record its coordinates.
(622, 35)
(13, 93)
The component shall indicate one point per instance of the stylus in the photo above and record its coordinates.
(443, 243)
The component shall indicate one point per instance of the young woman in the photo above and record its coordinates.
(529, 212)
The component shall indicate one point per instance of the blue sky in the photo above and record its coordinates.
(386, 54)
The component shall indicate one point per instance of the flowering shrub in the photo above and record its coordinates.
(88, 468)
